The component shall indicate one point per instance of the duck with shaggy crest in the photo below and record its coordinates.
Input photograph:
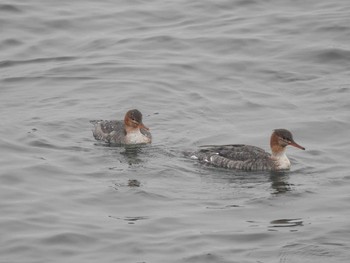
(129, 131)
(250, 158)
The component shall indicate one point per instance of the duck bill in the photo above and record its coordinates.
(293, 143)
(142, 126)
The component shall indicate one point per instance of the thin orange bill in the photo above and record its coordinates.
(143, 126)
(293, 143)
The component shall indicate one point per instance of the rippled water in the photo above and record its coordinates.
(208, 72)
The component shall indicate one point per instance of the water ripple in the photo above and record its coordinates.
(11, 63)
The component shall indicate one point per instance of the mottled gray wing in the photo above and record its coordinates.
(238, 152)
(108, 131)
(110, 126)
(236, 156)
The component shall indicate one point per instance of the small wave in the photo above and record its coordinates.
(304, 252)
(10, 63)
(332, 55)
(10, 42)
(69, 238)
(286, 222)
(7, 8)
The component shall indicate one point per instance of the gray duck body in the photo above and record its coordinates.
(114, 132)
(236, 156)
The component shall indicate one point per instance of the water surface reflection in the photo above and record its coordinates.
(279, 182)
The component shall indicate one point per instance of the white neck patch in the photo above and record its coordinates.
(135, 137)
(281, 161)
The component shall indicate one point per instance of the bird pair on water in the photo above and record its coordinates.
(235, 156)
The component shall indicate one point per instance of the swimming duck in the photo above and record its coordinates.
(250, 158)
(129, 131)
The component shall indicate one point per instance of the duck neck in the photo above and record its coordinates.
(130, 129)
(279, 155)
(278, 151)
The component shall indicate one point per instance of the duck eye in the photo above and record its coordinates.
(132, 117)
(285, 139)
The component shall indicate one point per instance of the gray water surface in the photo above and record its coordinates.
(207, 72)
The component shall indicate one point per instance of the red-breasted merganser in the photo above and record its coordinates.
(129, 131)
(250, 158)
